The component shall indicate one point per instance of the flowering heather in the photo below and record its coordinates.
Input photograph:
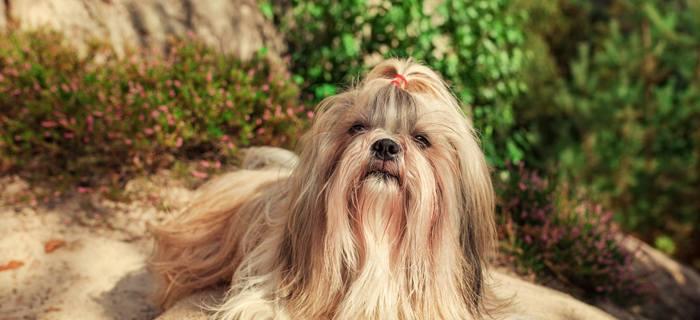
(67, 117)
(574, 241)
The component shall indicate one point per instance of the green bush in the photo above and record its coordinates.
(66, 117)
(620, 112)
(475, 45)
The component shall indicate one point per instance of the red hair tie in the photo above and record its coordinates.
(399, 81)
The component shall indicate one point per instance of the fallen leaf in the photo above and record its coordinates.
(13, 264)
(52, 245)
(52, 309)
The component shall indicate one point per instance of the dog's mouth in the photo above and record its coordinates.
(385, 175)
(384, 170)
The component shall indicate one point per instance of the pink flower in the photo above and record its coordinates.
(229, 103)
(148, 131)
(209, 76)
(310, 114)
(48, 124)
(155, 114)
(278, 111)
(199, 174)
(89, 120)
(127, 142)
(68, 135)
(83, 190)
(265, 87)
(178, 142)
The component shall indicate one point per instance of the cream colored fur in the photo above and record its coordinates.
(344, 235)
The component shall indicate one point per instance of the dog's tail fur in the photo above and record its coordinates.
(198, 248)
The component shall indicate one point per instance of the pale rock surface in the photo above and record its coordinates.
(3, 11)
(100, 272)
(675, 287)
(234, 26)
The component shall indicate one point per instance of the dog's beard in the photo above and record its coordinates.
(370, 196)
(377, 213)
(389, 230)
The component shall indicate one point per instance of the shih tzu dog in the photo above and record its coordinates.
(387, 215)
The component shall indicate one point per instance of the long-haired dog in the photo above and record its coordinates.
(387, 215)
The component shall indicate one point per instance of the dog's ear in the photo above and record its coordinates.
(478, 230)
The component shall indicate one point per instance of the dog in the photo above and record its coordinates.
(388, 214)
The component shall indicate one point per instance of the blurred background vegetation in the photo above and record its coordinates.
(589, 112)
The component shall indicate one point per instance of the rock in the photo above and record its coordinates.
(674, 288)
(531, 301)
(235, 26)
(3, 15)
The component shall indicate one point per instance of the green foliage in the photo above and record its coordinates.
(566, 238)
(66, 117)
(475, 45)
(617, 110)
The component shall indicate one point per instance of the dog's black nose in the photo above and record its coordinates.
(385, 149)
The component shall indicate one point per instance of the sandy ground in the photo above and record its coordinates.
(83, 259)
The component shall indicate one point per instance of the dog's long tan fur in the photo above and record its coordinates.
(332, 239)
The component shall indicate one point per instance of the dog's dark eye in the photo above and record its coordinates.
(357, 128)
(422, 140)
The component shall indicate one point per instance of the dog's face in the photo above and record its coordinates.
(392, 151)
(391, 173)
